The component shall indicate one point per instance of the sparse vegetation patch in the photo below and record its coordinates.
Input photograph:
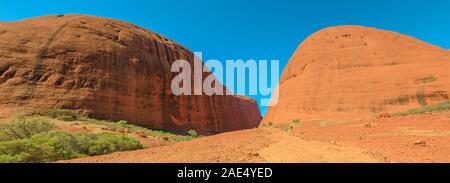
(193, 133)
(400, 100)
(36, 139)
(22, 127)
(60, 114)
(58, 145)
(72, 115)
(439, 107)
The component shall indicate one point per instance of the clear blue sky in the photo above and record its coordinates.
(252, 29)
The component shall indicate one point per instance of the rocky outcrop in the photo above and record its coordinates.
(351, 72)
(110, 70)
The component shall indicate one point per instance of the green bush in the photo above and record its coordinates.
(25, 127)
(4, 137)
(122, 123)
(71, 115)
(58, 145)
(439, 107)
(24, 151)
(193, 133)
(134, 128)
(108, 142)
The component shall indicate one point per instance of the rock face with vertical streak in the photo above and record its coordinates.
(354, 72)
(111, 70)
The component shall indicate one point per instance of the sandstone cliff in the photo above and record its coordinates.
(351, 72)
(111, 70)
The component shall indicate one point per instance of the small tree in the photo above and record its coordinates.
(21, 127)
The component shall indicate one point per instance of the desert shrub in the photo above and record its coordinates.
(66, 145)
(71, 115)
(439, 107)
(61, 114)
(9, 159)
(193, 133)
(58, 145)
(297, 121)
(24, 151)
(108, 142)
(25, 127)
(4, 137)
(122, 123)
(134, 128)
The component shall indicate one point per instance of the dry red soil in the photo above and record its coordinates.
(416, 138)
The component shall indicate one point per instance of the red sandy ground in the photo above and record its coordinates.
(415, 138)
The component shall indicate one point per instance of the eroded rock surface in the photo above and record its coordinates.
(351, 72)
(111, 70)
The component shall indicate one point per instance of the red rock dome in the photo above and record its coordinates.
(351, 72)
(110, 70)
